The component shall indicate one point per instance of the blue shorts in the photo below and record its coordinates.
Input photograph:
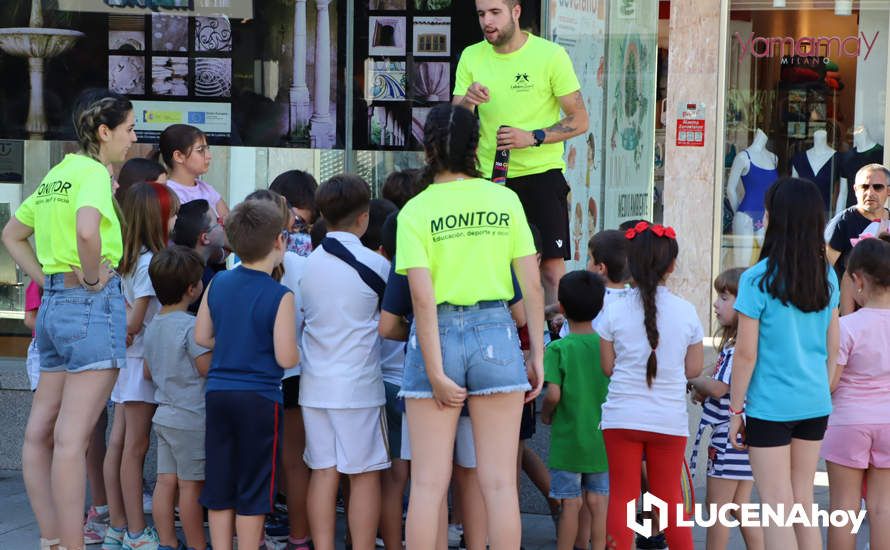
(565, 484)
(480, 352)
(79, 330)
(241, 446)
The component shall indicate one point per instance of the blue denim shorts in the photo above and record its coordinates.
(565, 484)
(79, 330)
(480, 352)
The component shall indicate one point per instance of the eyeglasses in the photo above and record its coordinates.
(876, 186)
(202, 149)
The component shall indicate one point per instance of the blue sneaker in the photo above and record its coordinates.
(114, 538)
(147, 540)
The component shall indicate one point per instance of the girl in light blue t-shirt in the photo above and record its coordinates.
(785, 351)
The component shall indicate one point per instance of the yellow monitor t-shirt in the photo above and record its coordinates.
(466, 232)
(51, 210)
(524, 87)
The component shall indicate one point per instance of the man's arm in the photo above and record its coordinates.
(574, 123)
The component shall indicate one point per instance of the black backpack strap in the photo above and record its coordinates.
(369, 276)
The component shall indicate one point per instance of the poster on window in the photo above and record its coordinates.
(630, 112)
(581, 31)
(269, 69)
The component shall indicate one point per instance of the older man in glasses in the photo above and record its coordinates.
(871, 188)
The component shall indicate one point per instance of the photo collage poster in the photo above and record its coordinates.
(405, 60)
(270, 77)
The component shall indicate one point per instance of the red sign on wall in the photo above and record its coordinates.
(690, 132)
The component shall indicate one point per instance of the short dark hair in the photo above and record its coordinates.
(137, 170)
(388, 234)
(581, 295)
(609, 247)
(172, 271)
(252, 228)
(342, 198)
(178, 137)
(190, 223)
(625, 225)
(298, 188)
(318, 232)
(378, 212)
(401, 186)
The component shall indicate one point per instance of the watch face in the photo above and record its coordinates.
(539, 136)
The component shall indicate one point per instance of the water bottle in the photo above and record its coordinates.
(501, 162)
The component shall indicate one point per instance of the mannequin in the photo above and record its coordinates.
(865, 151)
(752, 172)
(817, 164)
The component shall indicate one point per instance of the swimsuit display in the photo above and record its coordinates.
(823, 179)
(756, 182)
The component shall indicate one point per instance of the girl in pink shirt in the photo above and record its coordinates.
(186, 153)
(857, 443)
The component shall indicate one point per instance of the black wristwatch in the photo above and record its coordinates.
(539, 137)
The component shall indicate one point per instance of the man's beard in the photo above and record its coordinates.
(505, 34)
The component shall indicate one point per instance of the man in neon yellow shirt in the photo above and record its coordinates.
(521, 81)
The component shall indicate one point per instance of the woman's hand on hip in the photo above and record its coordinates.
(447, 393)
(534, 368)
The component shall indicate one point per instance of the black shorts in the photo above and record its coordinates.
(290, 389)
(544, 198)
(767, 433)
(242, 441)
(527, 424)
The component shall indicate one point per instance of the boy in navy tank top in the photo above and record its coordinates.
(247, 319)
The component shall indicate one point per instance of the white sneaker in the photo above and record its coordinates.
(455, 530)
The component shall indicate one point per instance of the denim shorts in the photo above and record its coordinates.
(80, 330)
(480, 352)
(565, 484)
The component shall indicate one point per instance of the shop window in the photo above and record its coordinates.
(805, 97)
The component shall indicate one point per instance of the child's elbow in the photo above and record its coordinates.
(289, 358)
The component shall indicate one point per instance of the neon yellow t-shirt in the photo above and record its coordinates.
(524, 87)
(467, 232)
(51, 210)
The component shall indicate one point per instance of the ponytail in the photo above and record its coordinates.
(651, 253)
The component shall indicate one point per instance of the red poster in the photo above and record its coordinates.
(690, 132)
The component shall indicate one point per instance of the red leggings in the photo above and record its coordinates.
(664, 459)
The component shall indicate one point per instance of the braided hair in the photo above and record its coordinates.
(92, 109)
(450, 139)
(649, 258)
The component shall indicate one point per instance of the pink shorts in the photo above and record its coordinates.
(858, 446)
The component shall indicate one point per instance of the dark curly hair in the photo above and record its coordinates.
(450, 139)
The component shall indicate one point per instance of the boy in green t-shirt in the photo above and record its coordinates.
(576, 392)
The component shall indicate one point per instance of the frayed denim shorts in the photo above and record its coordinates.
(80, 330)
(480, 352)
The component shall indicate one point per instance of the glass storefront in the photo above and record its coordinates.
(805, 96)
(320, 85)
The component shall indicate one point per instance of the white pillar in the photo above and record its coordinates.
(300, 106)
(322, 124)
(36, 123)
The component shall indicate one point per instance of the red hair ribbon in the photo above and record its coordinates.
(658, 229)
(163, 194)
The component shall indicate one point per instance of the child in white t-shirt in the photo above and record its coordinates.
(341, 388)
(607, 257)
(651, 343)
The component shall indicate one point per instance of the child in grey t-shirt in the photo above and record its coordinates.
(178, 366)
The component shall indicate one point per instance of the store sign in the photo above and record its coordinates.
(235, 9)
(806, 46)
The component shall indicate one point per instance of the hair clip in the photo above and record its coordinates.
(636, 230)
(664, 231)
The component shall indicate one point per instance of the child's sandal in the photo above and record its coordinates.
(47, 544)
